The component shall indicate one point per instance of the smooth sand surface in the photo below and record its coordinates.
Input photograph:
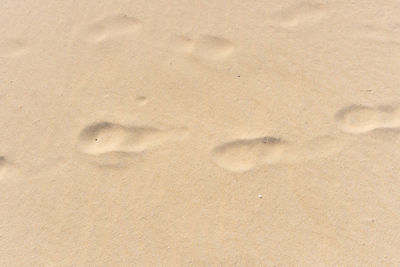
(200, 133)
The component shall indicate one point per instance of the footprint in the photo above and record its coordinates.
(300, 14)
(205, 47)
(7, 168)
(141, 100)
(111, 27)
(212, 48)
(12, 48)
(362, 119)
(389, 33)
(3, 166)
(246, 154)
(107, 137)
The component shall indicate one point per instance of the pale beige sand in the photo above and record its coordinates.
(200, 133)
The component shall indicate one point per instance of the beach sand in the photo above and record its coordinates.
(200, 133)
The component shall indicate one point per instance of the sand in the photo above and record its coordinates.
(200, 133)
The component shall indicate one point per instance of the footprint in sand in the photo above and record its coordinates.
(381, 33)
(300, 14)
(362, 119)
(107, 137)
(4, 167)
(205, 47)
(246, 154)
(111, 27)
(12, 48)
(141, 100)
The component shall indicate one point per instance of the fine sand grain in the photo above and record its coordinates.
(200, 133)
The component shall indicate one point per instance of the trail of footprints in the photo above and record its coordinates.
(204, 47)
(241, 154)
(211, 47)
(246, 154)
(236, 155)
(201, 47)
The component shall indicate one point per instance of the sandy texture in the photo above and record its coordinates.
(200, 133)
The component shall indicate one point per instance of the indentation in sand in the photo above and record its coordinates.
(12, 48)
(299, 14)
(141, 100)
(205, 47)
(4, 166)
(111, 27)
(107, 137)
(382, 33)
(246, 154)
(362, 119)
(212, 47)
